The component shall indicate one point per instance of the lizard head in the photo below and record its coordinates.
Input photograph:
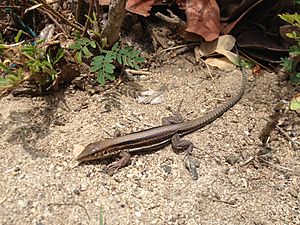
(92, 151)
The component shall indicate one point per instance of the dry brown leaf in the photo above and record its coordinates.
(141, 7)
(203, 17)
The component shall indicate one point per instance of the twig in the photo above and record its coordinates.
(89, 16)
(78, 9)
(54, 20)
(286, 135)
(75, 203)
(173, 19)
(141, 72)
(57, 15)
(209, 71)
(294, 143)
(274, 165)
(10, 6)
(12, 45)
(176, 47)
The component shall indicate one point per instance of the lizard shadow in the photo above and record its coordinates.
(28, 127)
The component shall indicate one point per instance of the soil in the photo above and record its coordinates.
(40, 184)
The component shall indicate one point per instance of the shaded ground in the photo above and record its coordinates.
(39, 184)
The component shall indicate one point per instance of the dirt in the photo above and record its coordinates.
(40, 184)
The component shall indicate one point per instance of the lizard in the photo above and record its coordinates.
(171, 131)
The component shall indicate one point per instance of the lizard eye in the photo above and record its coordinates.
(105, 152)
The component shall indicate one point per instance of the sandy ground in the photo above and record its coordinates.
(41, 186)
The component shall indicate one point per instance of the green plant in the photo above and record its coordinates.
(289, 64)
(11, 78)
(39, 61)
(36, 63)
(104, 65)
(81, 46)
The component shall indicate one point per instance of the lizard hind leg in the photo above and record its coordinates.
(186, 145)
(178, 144)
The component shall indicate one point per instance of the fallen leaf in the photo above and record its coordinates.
(203, 17)
(222, 46)
(221, 63)
(232, 57)
(223, 43)
(151, 96)
(141, 7)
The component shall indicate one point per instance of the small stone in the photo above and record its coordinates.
(230, 171)
(293, 193)
(279, 187)
(22, 204)
(76, 191)
(167, 169)
(205, 193)
(17, 168)
(138, 213)
(84, 186)
(33, 210)
(232, 159)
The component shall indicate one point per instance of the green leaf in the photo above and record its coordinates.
(75, 46)
(83, 41)
(287, 64)
(98, 60)
(139, 59)
(12, 78)
(86, 52)
(110, 76)
(101, 220)
(135, 66)
(295, 104)
(100, 78)
(4, 82)
(115, 48)
(40, 41)
(294, 50)
(93, 44)
(78, 57)
(130, 63)
(7, 69)
(18, 36)
(296, 78)
(119, 59)
(109, 68)
(110, 56)
(122, 51)
(60, 53)
(96, 68)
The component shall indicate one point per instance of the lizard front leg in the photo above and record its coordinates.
(174, 118)
(123, 161)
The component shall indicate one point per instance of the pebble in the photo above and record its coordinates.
(167, 169)
(293, 193)
(22, 203)
(232, 159)
(138, 213)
